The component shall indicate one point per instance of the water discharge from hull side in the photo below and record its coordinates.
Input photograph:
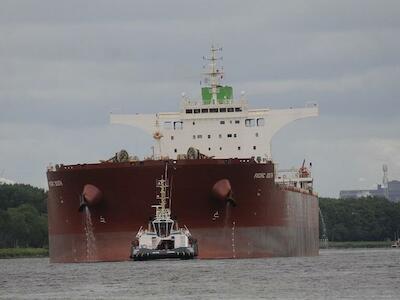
(91, 248)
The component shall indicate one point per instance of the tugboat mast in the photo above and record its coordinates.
(162, 212)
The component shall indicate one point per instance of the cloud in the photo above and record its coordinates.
(67, 65)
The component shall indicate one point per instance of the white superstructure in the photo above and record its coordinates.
(220, 128)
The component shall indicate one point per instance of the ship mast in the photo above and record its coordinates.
(214, 74)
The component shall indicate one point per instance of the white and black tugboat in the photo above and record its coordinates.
(163, 238)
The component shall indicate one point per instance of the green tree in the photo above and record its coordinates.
(23, 218)
(363, 219)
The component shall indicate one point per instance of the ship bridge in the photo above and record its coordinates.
(218, 126)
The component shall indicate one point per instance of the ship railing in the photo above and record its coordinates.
(188, 104)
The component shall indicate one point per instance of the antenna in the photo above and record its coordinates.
(214, 75)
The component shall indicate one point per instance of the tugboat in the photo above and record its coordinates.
(163, 238)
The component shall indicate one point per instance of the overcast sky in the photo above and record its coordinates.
(65, 65)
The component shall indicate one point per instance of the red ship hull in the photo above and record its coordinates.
(268, 220)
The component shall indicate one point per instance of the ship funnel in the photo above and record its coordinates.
(91, 196)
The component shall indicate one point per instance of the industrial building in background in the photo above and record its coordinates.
(388, 189)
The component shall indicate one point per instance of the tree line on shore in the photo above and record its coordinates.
(362, 219)
(23, 218)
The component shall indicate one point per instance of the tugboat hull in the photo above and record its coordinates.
(149, 254)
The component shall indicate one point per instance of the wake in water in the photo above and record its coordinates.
(91, 249)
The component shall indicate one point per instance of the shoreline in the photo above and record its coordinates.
(23, 252)
(44, 252)
(357, 244)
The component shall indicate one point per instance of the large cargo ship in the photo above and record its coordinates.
(223, 184)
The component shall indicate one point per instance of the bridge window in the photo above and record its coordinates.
(222, 109)
(260, 122)
(196, 111)
(213, 110)
(178, 125)
(230, 109)
(189, 111)
(238, 109)
(204, 110)
(249, 122)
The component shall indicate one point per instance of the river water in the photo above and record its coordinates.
(355, 274)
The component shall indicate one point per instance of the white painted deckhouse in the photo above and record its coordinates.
(219, 126)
